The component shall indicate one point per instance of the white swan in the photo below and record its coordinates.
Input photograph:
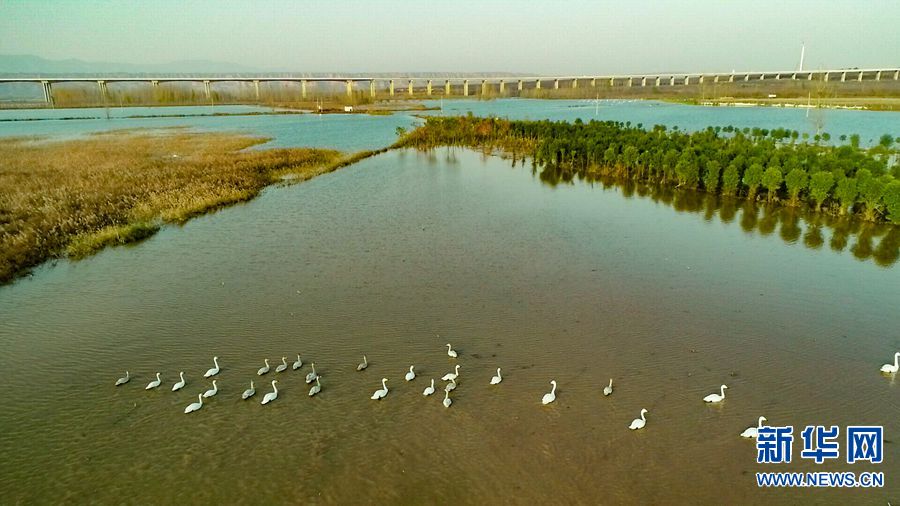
(180, 384)
(447, 401)
(638, 423)
(123, 380)
(315, 388)
(429, 390)
(450, 351)
(410, 375)
(716, 397)
(452, 375)
(283, 366)
(450, 386)
(379, 394)
(250, 392)
(362, 365)
(212, 391)
(752, 432)
(153, 384)
(214, 370)
(312, 376)
(271, 396)
(892, 368)
(298, 364)
(194, 406)
(264, 369)
(497, 379)
(551, 396)
(608, 388)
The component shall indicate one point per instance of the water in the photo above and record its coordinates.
(354, 132)
(574, 282)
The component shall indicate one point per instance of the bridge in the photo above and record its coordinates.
(482, 84)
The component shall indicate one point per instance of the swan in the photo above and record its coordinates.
(447, 401)
(450, 386)
(214, 370)
(608, 388)
(716, 397)
(312, 376)
(429, 390)
(298, 364)
(451, 375)
(212, 391)
(180, 384)
(123, 380)
(250, 392)
(316, 388)
(194, 406)
(283, 366)
(754, 431)
(450, 351)
(264, 369)
(271, 396)
(379, 394)
(550, 397)
(638, 423)
(497, 379)
(892, 368)
(153, 384)
(362, 366)
(410, 375)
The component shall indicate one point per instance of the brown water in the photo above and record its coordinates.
(574, 282)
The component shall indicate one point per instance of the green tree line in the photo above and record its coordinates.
(757, 164)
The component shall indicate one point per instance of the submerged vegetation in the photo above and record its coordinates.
(756, 164)
(73, 197)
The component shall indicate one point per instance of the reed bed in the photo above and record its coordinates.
(70, 198)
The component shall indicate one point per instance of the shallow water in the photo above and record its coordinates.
(574, 282)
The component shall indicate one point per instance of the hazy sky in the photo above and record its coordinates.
(574, 37)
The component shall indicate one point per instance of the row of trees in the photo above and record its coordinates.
(757, 164)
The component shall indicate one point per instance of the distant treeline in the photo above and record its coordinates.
(757, 164)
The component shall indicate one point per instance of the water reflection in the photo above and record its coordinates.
(878, 242)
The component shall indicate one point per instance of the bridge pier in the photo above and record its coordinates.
(700, 80)
(349, 88)
(447, 87)
(502, 86)
(843, 76)
(762, 77)
(672, 81)
(896, 75)
(746, 77)
(860, 76)
(391, 87)
(656, 81)
(556, 84)
(428, 88)
(208, 89)
(643, 81)
(303, 89)
(630, 83)
(255, 86)
(593, 82)
(731, 78)
(48, 93)
(519, 85)
(104, 93)
(612, 82)
(465, 87)
(777, 77)
(878, 76)
(716, 79)
(483, 87)
(410, 87)
(537, 84)
(372, 88)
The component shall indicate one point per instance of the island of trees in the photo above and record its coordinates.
(758, 164)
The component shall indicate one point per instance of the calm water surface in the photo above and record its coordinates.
(573, 282)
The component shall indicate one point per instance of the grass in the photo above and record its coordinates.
(71, 198)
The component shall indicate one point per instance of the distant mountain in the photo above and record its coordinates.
(35, 65)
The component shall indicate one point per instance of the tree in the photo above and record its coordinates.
(796, 181)
(854, 141)
(730, 180)
(772, 179)
(752, 179)
(711, 176)
(892, 201)
(687, 171)
(819, 186)
(886, 140)
(871, 190)
(846, 193)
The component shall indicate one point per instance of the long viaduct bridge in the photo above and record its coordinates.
(481, 84)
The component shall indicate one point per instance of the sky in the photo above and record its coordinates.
(566, 37)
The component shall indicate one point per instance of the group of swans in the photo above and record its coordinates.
(281, 368)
